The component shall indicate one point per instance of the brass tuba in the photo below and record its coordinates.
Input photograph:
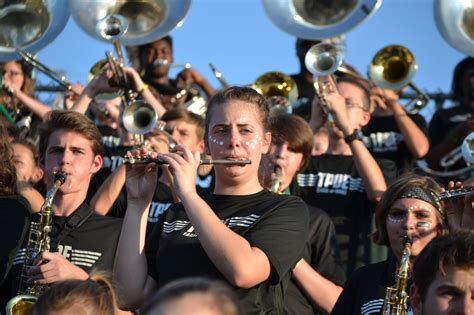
(455, 22)
(393, 67)
(30, 25)
(38, 242)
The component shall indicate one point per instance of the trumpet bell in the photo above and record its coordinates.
(147, 20)
(319, 19)
(323, 59)
(392, 67)
(30, 25)
(139, 117)
(455, 22)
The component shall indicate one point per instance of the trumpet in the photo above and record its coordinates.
(138, 116)
(322, 60)
(146, 159)
(280, 89)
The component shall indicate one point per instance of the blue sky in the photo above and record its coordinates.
(242, 42)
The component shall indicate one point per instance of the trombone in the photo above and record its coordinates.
(393, 67)
(138, 116)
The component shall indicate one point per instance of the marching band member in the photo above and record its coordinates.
(317, 278)
(448, 127)
(242, 233)
(409, 210)
(70, 143)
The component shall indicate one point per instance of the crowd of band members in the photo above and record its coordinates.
(347, 195)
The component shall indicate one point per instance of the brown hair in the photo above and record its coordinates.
(454, 250)
(95, 296)
(294, 130)
(70, 121)
(188, 117)
(7, 171)
(28, 84)
(30, 146)
(222, 298)
(392, 194)
(361, 85)
(237, 93)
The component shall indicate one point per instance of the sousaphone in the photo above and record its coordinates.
(319, 19)
(30, 25)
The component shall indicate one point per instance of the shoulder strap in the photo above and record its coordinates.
(75, 220)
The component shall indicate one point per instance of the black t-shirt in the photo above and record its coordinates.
(332, 183)
(110, 136)
(90, 245)
(385, 140)
(364, 292)
(14, 225)
(162, 200)
(305, 96)
(276, 224)
(319, 252)
(444, 121)
(113, 158)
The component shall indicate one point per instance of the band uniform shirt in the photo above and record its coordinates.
(319, 252)
(276, 224)
(110, 136)
(332, 183)
(91, 245)
(364, 292)
(443, 122)
(14, 226)
(384, 140)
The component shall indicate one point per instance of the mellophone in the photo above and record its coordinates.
(147, 159)
(455, 193)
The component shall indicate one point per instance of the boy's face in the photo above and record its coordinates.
(184, 133)
(71, 153)
(159, 49)
(452, 293)
(354, 96)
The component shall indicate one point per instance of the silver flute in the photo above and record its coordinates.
(146, 159)
(455, 193)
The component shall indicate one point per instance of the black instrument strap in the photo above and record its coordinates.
(75, 220)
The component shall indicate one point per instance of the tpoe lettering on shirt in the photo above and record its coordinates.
(110, 141)
(76, 256)
(328, 183)
(156, 210)
(112, 162)
(178, 225)
(384, 141)
(375, 307)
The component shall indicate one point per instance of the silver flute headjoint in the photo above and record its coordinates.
(146, 159)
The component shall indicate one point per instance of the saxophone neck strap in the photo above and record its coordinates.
(73, 221)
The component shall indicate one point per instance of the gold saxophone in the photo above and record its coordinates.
(38, 242)
(395, 302)
(277, 181)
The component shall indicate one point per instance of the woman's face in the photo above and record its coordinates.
(12, 71)
(413, 218)
(236, 133)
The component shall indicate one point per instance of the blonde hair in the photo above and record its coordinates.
(95, 296)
